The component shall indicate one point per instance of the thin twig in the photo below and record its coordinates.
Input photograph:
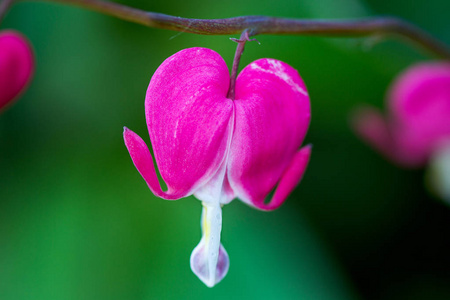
(270, 25)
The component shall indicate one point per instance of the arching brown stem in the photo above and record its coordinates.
(267, 25)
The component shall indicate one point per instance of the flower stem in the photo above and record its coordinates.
(237, 58)
(269, 25)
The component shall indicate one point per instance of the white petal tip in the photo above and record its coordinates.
(201, 261)
(438, 174)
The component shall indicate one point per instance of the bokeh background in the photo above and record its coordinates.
(77, 221)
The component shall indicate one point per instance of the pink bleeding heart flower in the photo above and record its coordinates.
(418, 120)
(218, 149)
(16, 65)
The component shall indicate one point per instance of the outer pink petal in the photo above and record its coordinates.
(16, 65)
(189, 118)
(142, 159)
(272, 117)
(420, 108)
(291, 177)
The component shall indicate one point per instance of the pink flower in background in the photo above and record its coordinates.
(418, 119)
(416, 132)
(16, 65)
(218, 149)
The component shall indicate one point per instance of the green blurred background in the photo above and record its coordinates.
(77, 221)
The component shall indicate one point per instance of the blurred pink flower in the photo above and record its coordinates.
(418, 120)
(16, 65)
(218, 149)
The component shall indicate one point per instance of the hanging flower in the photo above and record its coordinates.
(218, 149)
(16, 65)
(416, 132)
(418, 119)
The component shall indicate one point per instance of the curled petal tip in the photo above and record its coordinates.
(142, 159)
(370, 125)
(289, 180)
(291, 177)
(125, 131)
(363, 116)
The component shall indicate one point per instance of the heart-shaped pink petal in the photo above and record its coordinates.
(272, 117)
(189, 120)
(16, 65)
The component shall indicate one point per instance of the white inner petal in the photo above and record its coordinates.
(207, 254)
(209, 260)
(439, 171)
